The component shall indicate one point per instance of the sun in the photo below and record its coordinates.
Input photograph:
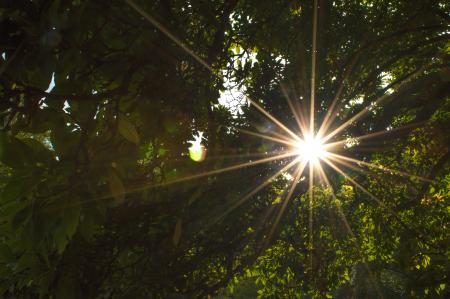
(311, 149)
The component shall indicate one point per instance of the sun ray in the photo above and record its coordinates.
(375, 134)
(165, 31)
(192, 177)
(353, 181)
(313, 70)
(299, 172)
(160, 27)
(228, 157)
(236, 156)
(340, 211)
(373, 104)
(409, 228)
(280, 136)
(272, 118)
(349, 165)
(279, 140)
(258, 188)
(135, 189)
(295, 111)
(354, 166)
(219, 171)
(373, 197)
(369, 149)
(312, 135)
(332, 109)
(344, 220)
(310, 216)
(380, 167)
(262, 224)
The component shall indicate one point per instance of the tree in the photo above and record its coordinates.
(100, 199)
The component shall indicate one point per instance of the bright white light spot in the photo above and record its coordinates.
(351, 142)
(386, 79)
(311, 149)
(66, 107)
(234, 98)
(287, 176)
(197, 150)
(51, 85)
(356, 101)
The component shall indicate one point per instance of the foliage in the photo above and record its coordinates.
(92, 198)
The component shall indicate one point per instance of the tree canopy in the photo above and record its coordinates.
(124, 126)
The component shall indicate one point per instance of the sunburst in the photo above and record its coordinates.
(309, 148)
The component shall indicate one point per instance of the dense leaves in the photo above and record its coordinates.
(97, 108)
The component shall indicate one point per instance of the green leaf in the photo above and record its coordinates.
(162, 152)
(426, 261)
(60, 240)
(346, 276)
(68, 226)
(128, 130)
